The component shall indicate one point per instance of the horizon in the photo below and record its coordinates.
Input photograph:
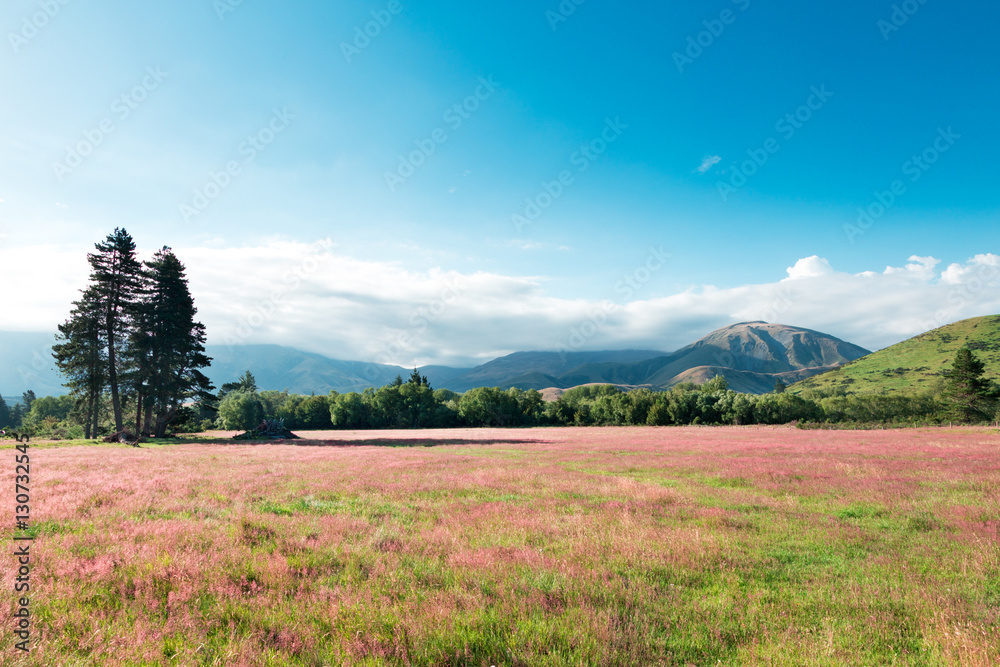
(437, 192)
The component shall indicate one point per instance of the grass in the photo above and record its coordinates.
(641, 546)
(916, 364)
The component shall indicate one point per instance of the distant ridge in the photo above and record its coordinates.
(750, 355)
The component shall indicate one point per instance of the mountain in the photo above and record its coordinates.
(276, 367)
(915, 364)
(750, 355)
(26, 363)
(538, 370)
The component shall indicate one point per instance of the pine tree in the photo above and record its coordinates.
(246, 383)
(115, 276)
(16, 415)
(4, 413)
(968, 393)
(27, 398)
(171, 344)
(81, 358)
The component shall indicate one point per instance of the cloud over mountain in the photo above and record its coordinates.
(311, 297)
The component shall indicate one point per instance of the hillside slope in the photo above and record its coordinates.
(916, 364)
(277, 367)
(528, 370)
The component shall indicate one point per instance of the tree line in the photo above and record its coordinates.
(968, 397)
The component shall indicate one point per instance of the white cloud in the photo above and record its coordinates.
(523, 244)
(809, 267)
(959, 274)
(922, 267)
(708, 162)
(294, 294)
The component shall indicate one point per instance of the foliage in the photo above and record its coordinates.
(969, 396)
(131, 342)
(241, 411)
(167, 345)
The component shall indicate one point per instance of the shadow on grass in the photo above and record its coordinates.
(377, 442)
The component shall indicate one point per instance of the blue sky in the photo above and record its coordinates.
(201, 77)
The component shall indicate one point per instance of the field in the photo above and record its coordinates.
(638, 546)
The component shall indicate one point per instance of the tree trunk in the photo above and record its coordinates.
(112, 371)
(147, 426)
(138, 411)
(95, 407)
(161, 423)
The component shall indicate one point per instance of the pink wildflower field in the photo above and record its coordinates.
(565, 546)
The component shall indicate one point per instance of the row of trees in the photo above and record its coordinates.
(398, 405)
(13, 417)
(410, 406)
(131, 342)
(968, 398)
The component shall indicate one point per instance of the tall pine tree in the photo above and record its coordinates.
(968, 393)
(116, 278)
(170, 344)
(81, 357)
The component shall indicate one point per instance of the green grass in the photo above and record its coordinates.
(915, 365)
(838, 549)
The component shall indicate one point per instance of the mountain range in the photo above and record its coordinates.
(750, 355)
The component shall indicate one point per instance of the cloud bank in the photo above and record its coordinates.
(310, 297)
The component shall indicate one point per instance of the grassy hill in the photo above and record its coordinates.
(915, 365)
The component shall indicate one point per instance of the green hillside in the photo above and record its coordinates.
(915, 365)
